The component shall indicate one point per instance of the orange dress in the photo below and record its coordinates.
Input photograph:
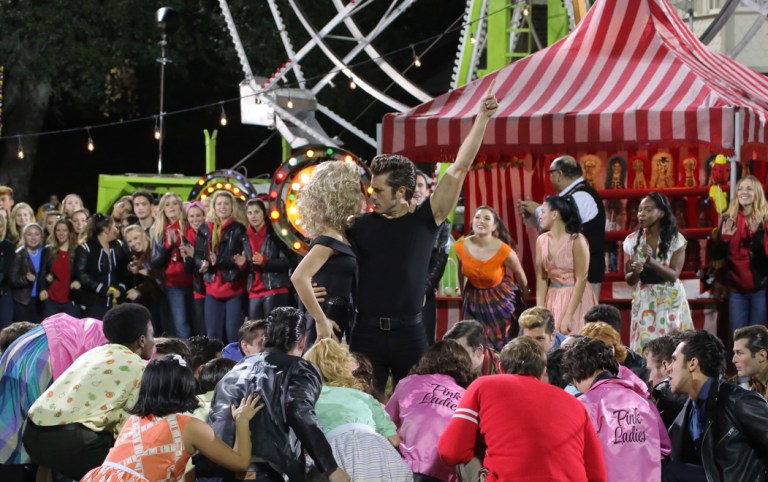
(490, 296)
(562, 280)
(149, 449)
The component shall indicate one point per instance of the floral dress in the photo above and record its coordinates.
(657, 308)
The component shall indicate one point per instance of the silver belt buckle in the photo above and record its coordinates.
(385, 324)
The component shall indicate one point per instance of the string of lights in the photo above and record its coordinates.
(417, 61)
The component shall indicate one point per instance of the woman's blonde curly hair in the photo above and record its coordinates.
(335, 363)
(332, 195)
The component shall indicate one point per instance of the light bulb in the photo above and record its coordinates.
(417, 62)
(290, 104)
(91, 145)
(352, 85)
(157, 133)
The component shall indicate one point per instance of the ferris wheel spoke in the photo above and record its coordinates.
(287, 44)
(719, 22)
(347, 125)
(318, 40)
(364, 43)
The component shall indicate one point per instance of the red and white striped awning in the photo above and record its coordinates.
(631, 76)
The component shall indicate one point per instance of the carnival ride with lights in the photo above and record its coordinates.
(493, 33)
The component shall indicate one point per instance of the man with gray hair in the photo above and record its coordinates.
(566, 176)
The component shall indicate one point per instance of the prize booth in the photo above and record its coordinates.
(640, 102)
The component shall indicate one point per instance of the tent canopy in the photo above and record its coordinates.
(630, 76)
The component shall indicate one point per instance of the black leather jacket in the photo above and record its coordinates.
(734, 444)
(289, 387)
(438, 259)
(21, 286)
(233, 241)
(275, 272)
(6, 262)
(758, 258)
(668, 403)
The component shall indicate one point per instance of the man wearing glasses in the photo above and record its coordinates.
(566, 177)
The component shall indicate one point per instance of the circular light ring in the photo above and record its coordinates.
(286, 185)
(223, 180)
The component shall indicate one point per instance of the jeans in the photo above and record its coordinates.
(6, 309)
(198, 321)
(180, 307)
(51, 308)
(396, 350)
(260, 308)
(223, 317)
(746, 309)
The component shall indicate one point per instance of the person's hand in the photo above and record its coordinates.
(240, 259)
(565, 325)
(213, 259)
(186, 251)
(489, 104)
(719, 291)
(527, 207)
(204, 266)
(325, 329)
(134, 267)
(43, 295)
(320, 292)
(729, 227)
(636, 267)
(75, 285)
(257, 259)
(249, 407)
(171, 235)
(49, 278)
(339, 475)
(31, 277)
(132, 294)
(648, 252)
(113, 292)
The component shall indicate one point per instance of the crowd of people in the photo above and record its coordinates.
(271, 368)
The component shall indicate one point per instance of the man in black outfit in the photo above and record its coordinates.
(722, 432)
(394, 246)
(437, 260)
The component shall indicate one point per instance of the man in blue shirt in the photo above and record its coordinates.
(722, 432)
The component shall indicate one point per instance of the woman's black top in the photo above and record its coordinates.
(338, 276)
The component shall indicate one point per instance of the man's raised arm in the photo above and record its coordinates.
(447, 192)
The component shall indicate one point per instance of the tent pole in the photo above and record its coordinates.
(737, 132)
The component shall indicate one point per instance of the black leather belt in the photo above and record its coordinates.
(389, 323)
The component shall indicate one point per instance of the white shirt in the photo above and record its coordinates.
(584, 203)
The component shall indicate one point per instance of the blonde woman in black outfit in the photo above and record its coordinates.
(326, 203)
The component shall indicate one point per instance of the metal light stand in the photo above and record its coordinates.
(163, 60)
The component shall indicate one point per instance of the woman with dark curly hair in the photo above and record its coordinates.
(158, 439)
(655, 255)
(423, 404)
(562, 264)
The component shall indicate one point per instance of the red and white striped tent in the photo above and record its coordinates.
(630, 76)
(630, 79)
